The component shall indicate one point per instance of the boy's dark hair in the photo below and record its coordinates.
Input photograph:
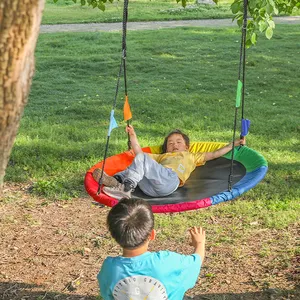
(130, 222)
(176, 131)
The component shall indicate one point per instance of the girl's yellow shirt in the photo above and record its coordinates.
(182, 163)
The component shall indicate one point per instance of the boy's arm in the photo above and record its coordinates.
(133, 140)
(198, 241)
(222, 151)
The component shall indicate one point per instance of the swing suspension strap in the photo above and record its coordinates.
(240, 94)
(124, 48)
(122, 68)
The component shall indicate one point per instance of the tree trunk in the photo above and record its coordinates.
(19, 28)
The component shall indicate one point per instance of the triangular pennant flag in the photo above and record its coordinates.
(245, 127)
(113, 123)
(127, 111)
(238, 94)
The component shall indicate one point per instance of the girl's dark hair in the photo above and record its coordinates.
(130, 222)
(176, 131)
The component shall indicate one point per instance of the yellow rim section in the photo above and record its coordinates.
(195, 147)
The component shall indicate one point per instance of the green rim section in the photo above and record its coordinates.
(248, 157)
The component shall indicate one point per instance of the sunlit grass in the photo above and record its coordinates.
(177, 78)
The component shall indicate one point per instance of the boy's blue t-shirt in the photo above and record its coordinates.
(150, 276)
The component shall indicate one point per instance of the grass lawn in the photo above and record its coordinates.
(177, 78)
(139, 10)
(190, 72)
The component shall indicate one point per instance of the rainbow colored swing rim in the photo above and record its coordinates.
(255, 164)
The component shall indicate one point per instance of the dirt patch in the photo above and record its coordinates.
(54, 250)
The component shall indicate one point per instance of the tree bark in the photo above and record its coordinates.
(19, 28)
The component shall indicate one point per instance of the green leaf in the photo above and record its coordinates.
(262, 25)
(240, 21)
(269, 9)
(269, 33)
(250, 25)
(262, 12)
(252, 4)
(271, 24)
(82, 2)
(101, 6)
(237, 16)
(183, 2)
(235, 7)
(55, 1)
(253, 38)
(248, 43)
(274, 6)
(271, 2)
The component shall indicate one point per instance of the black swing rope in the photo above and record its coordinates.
(124, 49)
(122, 68)
(241, 78)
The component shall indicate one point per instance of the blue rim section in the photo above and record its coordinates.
(249, 181)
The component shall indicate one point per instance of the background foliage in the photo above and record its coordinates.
(260, 11)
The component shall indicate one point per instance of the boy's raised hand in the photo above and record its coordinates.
(197, 235)
(198, 240)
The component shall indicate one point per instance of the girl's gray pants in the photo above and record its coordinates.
(152, 178)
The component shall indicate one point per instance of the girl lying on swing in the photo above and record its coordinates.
(158, 175)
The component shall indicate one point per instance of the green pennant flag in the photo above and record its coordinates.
(238, 94)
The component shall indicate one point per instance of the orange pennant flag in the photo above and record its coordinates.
(127, 111)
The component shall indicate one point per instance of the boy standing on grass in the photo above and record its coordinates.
(142, 275)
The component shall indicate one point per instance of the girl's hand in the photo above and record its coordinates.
(133, 140)
(130, 130)
(239, 142)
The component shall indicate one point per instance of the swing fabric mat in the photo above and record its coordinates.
(205, 181)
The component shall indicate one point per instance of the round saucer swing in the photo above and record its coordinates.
(208, 184)
(219, 180)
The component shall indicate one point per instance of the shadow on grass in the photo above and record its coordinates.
(22, 291)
